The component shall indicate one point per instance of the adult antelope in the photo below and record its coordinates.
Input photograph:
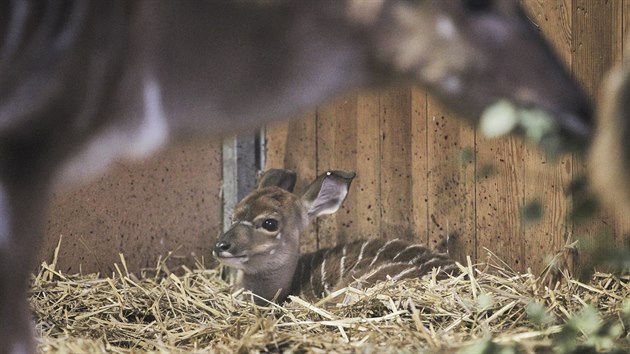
(85, 81)
(264, 243)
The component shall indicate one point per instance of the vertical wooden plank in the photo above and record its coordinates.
(593, 54)
(293, 145)
(545, 186)
(623, 237)
(396, 186)
(451, 174)
(301, 149)
(326, 149)
(337, 150)
(546, 181)
(593, 42)
(617, 8)
(229, 186)
(621, 21)
(420, 157)
(367, 186)
(500, 196)
(276, 144)
(301, 156)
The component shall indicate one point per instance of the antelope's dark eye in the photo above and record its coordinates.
(270, 225)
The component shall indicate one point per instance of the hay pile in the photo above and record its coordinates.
(195, 312)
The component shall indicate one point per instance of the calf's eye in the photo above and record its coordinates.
(270, 225)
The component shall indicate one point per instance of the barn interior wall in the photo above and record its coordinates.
(168, 204)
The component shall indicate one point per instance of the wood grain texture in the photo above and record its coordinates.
(593, 55)
(366, 188)
(293, 145)
(451, 181)
(546, 180)
(396, 199)
(621, 28)
(593, 41)
(500, 199)
(337, 150)
(420, 162)
(276, 135)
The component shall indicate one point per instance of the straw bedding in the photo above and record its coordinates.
(488, 309)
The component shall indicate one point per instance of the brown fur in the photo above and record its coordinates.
(271, 263)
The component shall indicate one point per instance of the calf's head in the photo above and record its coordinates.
(267, 224)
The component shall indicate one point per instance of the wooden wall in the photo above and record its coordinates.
(169, 203)
(423, 174)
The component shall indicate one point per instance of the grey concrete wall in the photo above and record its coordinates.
(170, 202)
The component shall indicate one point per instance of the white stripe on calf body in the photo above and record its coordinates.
(323, 274)
(360, 257)
(420, 248)
(342, 262)
(378, 253)
(403, 273)
(381, 267)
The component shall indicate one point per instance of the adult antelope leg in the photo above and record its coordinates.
(23, 203)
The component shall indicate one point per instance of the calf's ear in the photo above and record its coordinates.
(278, 177)
(326, 194)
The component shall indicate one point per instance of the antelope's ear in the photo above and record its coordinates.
(326, 194)
(277, 177)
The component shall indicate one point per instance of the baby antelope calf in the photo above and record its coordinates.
(264, 243)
